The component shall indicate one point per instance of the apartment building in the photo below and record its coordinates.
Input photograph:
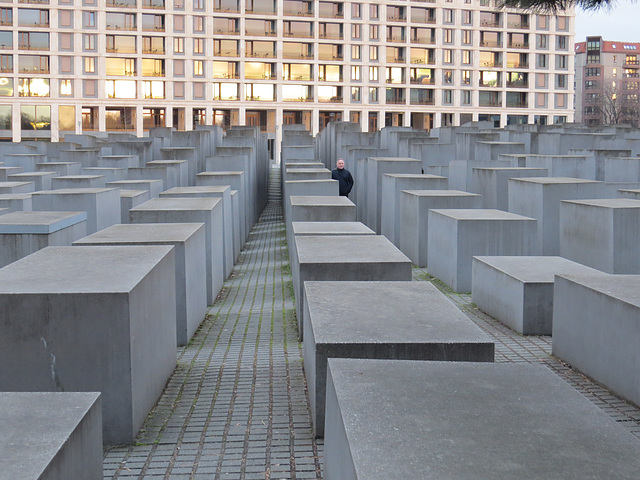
(129, 65)
(607, 82)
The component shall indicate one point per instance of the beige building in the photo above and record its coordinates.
(128, 65)
(607, 82)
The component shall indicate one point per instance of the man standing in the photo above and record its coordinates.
(345, 180)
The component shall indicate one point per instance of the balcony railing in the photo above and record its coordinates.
(521, 25)
(331, 100)
(295, 12)
(490, 104)
(518, 45)
(304, 56)
(397, 59)
(491, 84)
(330, 36)
(395, 38)
(255, 11)
(490, 23)
(299, 99)
(330, 57)
(491, 44)
(298, 34)
(517, 64)
(323, 79)
(518, 84)
(422, 102)
(228, 31)
(517, 104)
(493, 63)
(424, 81)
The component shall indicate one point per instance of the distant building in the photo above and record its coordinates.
(128, 65)
(607, 82)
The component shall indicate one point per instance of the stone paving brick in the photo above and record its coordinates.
(236, 405)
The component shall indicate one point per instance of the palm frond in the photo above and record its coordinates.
(554, 6)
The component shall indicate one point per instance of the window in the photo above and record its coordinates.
(33, 87)
(467, 37)
(65, 19)
(373, 53)
(178, 23)
(562, 23)
(198, 46)
(355, 52)
(592, 72)
(66, 64)
(595, 58)
(373, 32)
(561, 81)
(541, 60)
(198, 4)
(543, 22)
(447, 56)
(89, 19)
(89, 65)
(373, 74)
(355, 94)
(198, 68)
(355, 73)
(466, 57)
(467, 17)
(542, 41)
(562, 42)
(65, 41)
(356, 10)
(541, 80)
(447, 35)
(178, 68)
(466, 97)
(356, 31)
(562, 62)
(588, 84)
(6, 63)
(447, 77)
(35, 117)
(89, 42)
(447, 97)
(466, 77)
(447, 15)
(198, 24)
(541, 99)
(374, 12)
(373, 95)
(178, 45)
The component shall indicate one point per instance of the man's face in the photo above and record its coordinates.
(340, 164)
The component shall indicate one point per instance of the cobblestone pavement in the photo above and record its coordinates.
(236, 405)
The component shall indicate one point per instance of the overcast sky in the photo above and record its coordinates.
(621, 23)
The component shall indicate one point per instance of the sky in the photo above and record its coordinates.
(621, 23)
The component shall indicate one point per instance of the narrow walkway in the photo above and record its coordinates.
(236, 405)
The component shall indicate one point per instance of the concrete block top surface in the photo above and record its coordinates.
(221, 173)
(13, 184)
(195, 190)
(74, 191)
(508, 169)
(552, 180)
(330, 228)
(625, 288)
(32, 174)
(413, 175)
(394, 159)
(480, 214)
(536, 269)
(165, 162)
(320, 200)
(35, 427)
(386, 312)
(476, 421)
(347, 249)
(39, 222)
(441, 193)
(75, 270)
(306, 170)
(136, 233)
(132, 193)
(79, 177)
(118, 183)
(608, 202)
(14, 196)
(178, 203)
(176, 149)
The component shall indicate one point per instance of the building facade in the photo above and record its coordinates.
(607, 82)
(129, 65)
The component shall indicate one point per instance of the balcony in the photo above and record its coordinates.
(490, 23)
(491, 44)
(395, 38)
(229, 31)
(519, 104)
(330, 100)
(122, 3)
(490, 83)
(330, 36)
(517, 64)
(299, 99)
(333, 57)
(397, 59)
(255, 11)
(518, 84)
(518, 45)
(491, 64)
(155, 4)
(423, 81)
(518, 24)
(297, 12)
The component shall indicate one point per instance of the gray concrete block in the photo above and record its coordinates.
(493, 183)
(50, 436)
(320, 208)
(574, 166)
(5, 172)
(392, 186)
(237, 180)
(342, 258)
(385, 320)
(518, 291)
(602, 233)
(23, 233)
(629, 193)
(413, 231)
(153, 186)
(130, 199)
(330, 228)
(101, 204)
(540, 197)
(399, 420)
(110, 174)
(457, 235)
(215, 191)
(17, 187)
(41, 180)
(306, 188)
(595, 329)
(176, 169)
(188, 240)
(62, 168)
(16, 202)
(192, 210)
(77, 181)
(97, 319)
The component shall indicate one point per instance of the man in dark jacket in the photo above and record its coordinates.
(345, 180)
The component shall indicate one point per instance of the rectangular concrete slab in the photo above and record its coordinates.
(399, 420)
(385, 320)
(330, 228)
(457, 235)
(16, 202)
(17, 187)
(188, 239)
(596, 329)
(97, 319)
(518, 291)
(50, 436)
(602, 233)
(413, 230)
(153, 186)
(23, 233)
(192, 210)
(130, 199)
(342, 258)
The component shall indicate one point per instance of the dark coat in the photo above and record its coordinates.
(345, 180)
